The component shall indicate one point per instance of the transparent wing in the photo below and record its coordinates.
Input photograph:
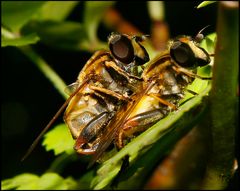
(117, 122)
(71, 88)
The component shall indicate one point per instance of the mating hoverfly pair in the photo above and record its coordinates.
(112, 101)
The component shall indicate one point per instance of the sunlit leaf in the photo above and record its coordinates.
(59, 140)
(205, 3)
(17, 13)
(209, 43)
(17, 181)
(21, 41)
(48, 181)
(56, 10)
(71, 183)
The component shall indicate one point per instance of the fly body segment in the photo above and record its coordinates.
(164, 82)
(105, 83)
(108, 81)
(112, 102)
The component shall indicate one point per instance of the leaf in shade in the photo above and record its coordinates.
(59, 140)
(67, 35)
(17, 13)
(48, 181)
(21, 41)
(85, 181)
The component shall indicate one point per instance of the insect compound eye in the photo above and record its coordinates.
(121, 48)
(182, 54)
(203, 60)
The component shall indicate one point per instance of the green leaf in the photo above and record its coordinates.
(93, 14)
(85, 181)
(21, 41)
(17, 181)
(48, 181)
(17, 13)
(209, 43)
(204, 4)
(59, 140)
(71, 183)
(67, 35)
(56, 10)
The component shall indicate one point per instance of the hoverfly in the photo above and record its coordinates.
(165, 79)
(106, 82)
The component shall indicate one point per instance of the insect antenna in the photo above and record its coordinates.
(199, 37)
(34, 144)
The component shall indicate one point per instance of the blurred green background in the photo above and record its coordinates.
(29, 100)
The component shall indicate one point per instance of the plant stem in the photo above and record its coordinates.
(156, 10)
(223, 97)
(159, 28)
(58, 83)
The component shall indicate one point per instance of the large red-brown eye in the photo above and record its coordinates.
(121, 48)
(182, 54)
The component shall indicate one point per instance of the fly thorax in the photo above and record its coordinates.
(169, 84)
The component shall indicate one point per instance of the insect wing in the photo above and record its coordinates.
(70, 89)
(34, 144)
(118, 122)
(125, 111)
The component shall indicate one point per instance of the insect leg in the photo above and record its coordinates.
(121, 71)
(192, 92)
(137, 124)
(109, 92)
(189, 73)
(156, 96)
(90, 131)
(96, 60)
(135, 71)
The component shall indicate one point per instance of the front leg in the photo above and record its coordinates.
(137, 124)
(110, 93)
(189, 73)
(164, 102)
(127, 75)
